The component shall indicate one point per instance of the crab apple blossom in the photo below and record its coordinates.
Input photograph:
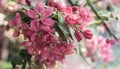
(16, 23)
(104, 45)
(77, 15)
(42, 31)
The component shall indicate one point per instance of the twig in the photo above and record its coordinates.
(103, 21)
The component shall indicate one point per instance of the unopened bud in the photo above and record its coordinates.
(87, 34)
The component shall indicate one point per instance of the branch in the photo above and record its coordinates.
(103, 21)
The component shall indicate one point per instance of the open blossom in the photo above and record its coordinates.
(77, 15)
(48, 49)
(42, 14)
(16, 23)
(43, 39)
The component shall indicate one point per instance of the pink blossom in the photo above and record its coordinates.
(43, 22)
(105, 48)
(35, 25)
(17, 24)
(72, 19)
(16, 33)
(40, 11)
(85, 15)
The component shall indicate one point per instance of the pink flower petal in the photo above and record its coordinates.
(33, 36)
(34, 25)
(49, 22)
(29, 43)
(22, 44)
(45, 55)
(46, 28)
(67, 10)
(16, 33)
(18, 19)
(30, 49)
(12, 22)
(48, 11)
(25, 26)
(40, 7)
(32, 13)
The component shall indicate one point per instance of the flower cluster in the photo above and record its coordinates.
(43, 34)
(104, 45)
(79, 17)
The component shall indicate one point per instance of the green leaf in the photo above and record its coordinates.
(61, 23)
(75, 40)
(74, 2)
(24, 6)
(63, 26)
(96, 23)
(17, 60)
(24, 54)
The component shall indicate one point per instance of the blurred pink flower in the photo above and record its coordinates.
(104, 45)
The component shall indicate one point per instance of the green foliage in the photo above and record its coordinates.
(17, 60)
(62, 27)
(25, 55)
(24, 6)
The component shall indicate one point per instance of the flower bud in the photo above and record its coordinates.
(87, 34)
(28, 2)
(78, 36)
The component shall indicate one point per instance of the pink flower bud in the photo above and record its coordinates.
(75, 8)
(87, 34)
(78, 35)
(28, 2)
(112, 42)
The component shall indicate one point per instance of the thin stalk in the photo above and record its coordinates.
(103, 21)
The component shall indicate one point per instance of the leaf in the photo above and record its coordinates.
(96, 23)
(63, 26)
(17, 60)
(75, 40)
(25, 55)
(24, 6)
(74, 2)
